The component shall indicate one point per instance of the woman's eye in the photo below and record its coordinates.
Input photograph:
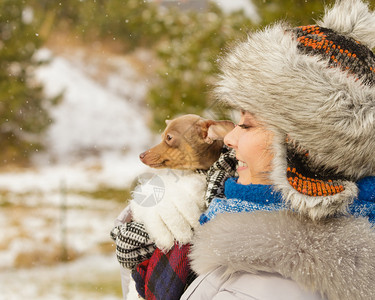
(244, 126)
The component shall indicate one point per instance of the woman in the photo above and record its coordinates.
(305, 139)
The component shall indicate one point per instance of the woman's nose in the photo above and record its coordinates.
(231, 138)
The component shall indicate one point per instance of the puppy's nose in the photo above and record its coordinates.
(142, 155)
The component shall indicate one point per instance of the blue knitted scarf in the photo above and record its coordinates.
(364, 204)
(252, 197)
(243, 198)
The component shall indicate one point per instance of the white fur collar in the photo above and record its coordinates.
(335, 257)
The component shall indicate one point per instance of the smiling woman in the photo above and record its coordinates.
(304, 145)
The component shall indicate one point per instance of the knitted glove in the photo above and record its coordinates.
(220, 171)
(180, 202)
(133, 244)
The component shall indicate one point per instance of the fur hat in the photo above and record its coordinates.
(314, 87)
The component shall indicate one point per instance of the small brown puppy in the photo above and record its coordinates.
(188, 142)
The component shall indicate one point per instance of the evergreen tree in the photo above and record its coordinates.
(187, 44)
(189, 62)
(22, 114)
(133, 23)
(301, 12)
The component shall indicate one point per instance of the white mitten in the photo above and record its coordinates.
(169, 204)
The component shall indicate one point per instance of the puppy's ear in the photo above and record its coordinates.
(214, 130)
(218, 130)
(167, 122)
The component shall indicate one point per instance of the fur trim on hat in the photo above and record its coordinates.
(351, 18)
(335, 258)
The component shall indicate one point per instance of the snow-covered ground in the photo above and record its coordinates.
(92, 277)
(100, 124)
(98, 132)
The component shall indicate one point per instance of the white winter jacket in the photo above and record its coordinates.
(243, 285)
(281, 255)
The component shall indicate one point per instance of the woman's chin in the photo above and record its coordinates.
(243, 178)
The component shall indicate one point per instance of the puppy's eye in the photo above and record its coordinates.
(169, 137)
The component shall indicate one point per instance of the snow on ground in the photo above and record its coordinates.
(99, 129)
(98, 125)
(71, 281)
(37, 237)
(92, 117)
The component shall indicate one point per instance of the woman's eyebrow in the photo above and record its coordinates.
(248, 117)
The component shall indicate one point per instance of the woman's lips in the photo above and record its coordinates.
(241, 165)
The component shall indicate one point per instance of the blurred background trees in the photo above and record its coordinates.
(295, 12)
(186, 43)
(22, 115)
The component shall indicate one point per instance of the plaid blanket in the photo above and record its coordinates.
(165, 275)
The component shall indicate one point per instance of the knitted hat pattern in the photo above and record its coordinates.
(343, 52)
(314, 87)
